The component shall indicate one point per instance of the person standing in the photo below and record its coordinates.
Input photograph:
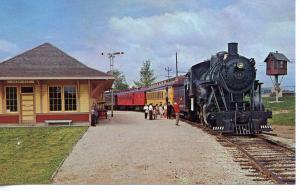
(150, 111)
(169, 110)
(96, 115)
(165, 110)
(177, 111)
(161, 110)
(146, 109)
(154, 112)
(172, 113)
(93, 115)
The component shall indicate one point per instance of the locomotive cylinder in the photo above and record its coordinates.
(233, 48)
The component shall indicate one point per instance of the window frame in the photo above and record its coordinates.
(281, 66)
(17, 98)
(27, 92)
(62, 87)
(61, 97)
(76, 98)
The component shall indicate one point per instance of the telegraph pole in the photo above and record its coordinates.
(111, 57)
(176, 66)
(168, 69)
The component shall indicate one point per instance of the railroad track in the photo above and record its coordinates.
(266, 161)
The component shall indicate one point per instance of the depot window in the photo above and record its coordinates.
(55, 98)
(70, 98)
(11, 99)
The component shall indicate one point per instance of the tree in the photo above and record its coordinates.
(146, 75)
(120, 80)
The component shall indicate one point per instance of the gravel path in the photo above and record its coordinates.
(131, 150)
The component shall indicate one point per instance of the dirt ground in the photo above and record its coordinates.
(131, 150)
(284, 131)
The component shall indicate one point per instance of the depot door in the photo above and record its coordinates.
(27, 105)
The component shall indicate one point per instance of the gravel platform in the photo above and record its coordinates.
(128, 149)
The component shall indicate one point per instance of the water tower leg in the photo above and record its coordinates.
(276, 87)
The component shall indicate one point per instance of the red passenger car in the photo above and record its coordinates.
(139, 98)
(131, 99)
(125, 99)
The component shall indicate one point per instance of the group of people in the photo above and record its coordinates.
(164, 111)
(152, 111)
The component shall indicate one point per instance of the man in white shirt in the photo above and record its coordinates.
(150, 111)
(146, 109)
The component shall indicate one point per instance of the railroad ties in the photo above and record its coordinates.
(268, 161)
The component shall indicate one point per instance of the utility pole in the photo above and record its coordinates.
(176, 66)
(111, 57)
(168, 69)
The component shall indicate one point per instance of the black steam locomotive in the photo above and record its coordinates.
(223, 94)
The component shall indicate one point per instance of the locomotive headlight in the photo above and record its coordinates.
(240, 65)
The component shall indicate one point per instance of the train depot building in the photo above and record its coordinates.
(45, 84)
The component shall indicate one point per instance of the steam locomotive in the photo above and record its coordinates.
(223, 94)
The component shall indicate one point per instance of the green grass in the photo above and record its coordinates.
(283, 112)
(38, 154)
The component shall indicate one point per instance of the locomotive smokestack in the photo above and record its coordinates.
(232, 48)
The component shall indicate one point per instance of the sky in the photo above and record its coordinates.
(151, 30)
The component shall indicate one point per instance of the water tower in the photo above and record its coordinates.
(276, 66)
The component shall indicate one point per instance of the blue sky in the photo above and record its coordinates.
(151, 29)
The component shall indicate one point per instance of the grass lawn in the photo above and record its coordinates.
(31, 155)
(283, 112)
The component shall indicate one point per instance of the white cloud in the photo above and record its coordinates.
(7, 46)
(258, 26)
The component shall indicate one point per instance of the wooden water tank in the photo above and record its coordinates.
(276, 64)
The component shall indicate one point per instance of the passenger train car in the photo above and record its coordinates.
(134, 99)
(162, 92)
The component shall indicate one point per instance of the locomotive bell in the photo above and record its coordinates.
(233, 48)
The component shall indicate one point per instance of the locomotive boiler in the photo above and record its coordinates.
(225, 95)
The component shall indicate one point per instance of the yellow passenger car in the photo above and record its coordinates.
(161, 92)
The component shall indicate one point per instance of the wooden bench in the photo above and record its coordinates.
(58, 121)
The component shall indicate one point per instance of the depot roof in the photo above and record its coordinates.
(47, 62)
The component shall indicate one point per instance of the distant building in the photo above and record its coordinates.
(288, 93)
(276, 64)
(45, 83)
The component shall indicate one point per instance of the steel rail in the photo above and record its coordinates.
(256, 163)
(260, 166)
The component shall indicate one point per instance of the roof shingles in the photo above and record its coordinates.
(277, 56)
(47, 61)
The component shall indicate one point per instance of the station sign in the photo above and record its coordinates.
(20, 81)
